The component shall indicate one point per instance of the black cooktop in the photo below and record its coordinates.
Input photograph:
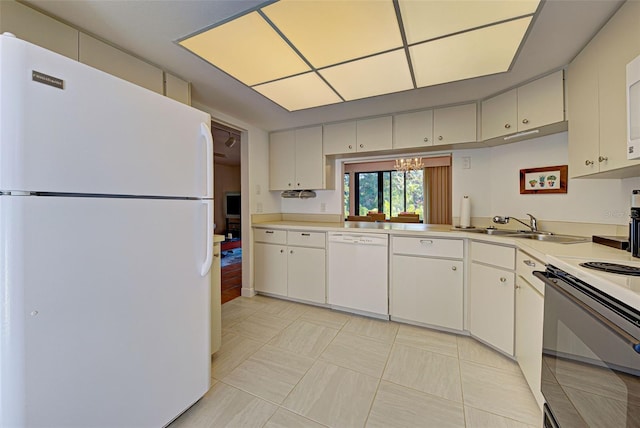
(612, 268)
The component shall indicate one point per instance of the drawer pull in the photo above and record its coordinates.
(305, 234)
(282, 251)
(426, 241)
(454, 268)
(269, 231)
(529, 263)
(503, 279)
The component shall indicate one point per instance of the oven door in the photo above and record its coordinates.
(590, 357)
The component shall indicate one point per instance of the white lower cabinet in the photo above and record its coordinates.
(529, 319)
(291, 264)
(427, 290)
(492, 295)
(270, 268)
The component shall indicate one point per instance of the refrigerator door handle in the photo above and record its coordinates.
(209, 255)
(206, 133)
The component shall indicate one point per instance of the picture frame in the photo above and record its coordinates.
(548, 179)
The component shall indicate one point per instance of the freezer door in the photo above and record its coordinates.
(105, 311)
(67, 127)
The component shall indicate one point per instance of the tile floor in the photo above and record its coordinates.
(284, 364)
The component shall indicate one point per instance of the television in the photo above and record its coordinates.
(232, 205)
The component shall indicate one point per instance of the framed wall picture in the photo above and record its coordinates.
(548, 179)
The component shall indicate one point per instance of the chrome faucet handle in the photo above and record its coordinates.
(533, 223)
(501, 220)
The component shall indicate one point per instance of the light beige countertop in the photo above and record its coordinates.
(218, 238)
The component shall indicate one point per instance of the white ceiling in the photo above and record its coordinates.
(149, 30)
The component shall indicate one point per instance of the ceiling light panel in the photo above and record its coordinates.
(368, 77)
(328, 32)
(299, 92)
(248, 49)
(425, 20)
(476, 53)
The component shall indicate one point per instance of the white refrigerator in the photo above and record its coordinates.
(106, 216)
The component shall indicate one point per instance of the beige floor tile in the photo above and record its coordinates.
(255, 302)
(233, 314)
(425, 371)
(333, 396)
(471, 350)
(427, 339)
(373, 328)
(480, 419)
(325, 317)
(358, 353)
(260, 326)
(234, 350)
(286, 419)
(226, 406)
(397, 406)
(499, 391)
(304, 338)
(285, 309)
(271, 373)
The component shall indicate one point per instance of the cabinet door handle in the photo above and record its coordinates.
(426, 140)
(507, 126)
(305, 234)
(290, 251)
(440, 137)
(529, 263)
(525, 121)
(503, 279)
(298, 184)
(454, 268)
(588, 162)
(426, 241)
(361, 146)
(602, 158)
(281, 251)
(289, 184)
(268, 231)
(350, 147)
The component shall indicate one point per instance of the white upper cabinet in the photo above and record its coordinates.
(413, 129)
(530, 106)
(177, 89)
(374, 134)
(453, 125)
(597, 98)
(104, 57)
(339, 138)
(296, 160)
(39, 29)
(367, 135)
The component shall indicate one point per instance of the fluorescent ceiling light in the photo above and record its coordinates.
(331, 32)
(249, 49)
(368, 77)
(425, 20)
(299, 92)
(308, 53)
(488, 50)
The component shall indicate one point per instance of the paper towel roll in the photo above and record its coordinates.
(465, 212)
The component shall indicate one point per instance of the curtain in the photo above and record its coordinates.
(437, 185)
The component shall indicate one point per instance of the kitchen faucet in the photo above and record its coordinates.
(533, 222)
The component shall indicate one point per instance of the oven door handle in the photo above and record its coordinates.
(635, 343)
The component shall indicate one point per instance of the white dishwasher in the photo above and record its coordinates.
(357, 269)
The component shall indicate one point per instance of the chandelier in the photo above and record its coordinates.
(407, 165)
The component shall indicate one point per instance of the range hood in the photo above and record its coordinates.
(298, 194)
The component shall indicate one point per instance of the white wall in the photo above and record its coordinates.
(493, 184)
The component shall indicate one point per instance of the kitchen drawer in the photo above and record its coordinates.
(306, 239)
(525, 265)
(496, 255)
(449, 248)
(270, 236)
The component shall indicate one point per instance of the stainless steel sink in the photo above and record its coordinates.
(492, 231)
(559, 239)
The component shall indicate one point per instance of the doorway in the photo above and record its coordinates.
(227, 217)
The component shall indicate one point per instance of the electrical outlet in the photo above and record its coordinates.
(259, 207)
(258, 189)
(323, 207)
(466, 162)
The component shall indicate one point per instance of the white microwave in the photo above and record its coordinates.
(633, 109)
